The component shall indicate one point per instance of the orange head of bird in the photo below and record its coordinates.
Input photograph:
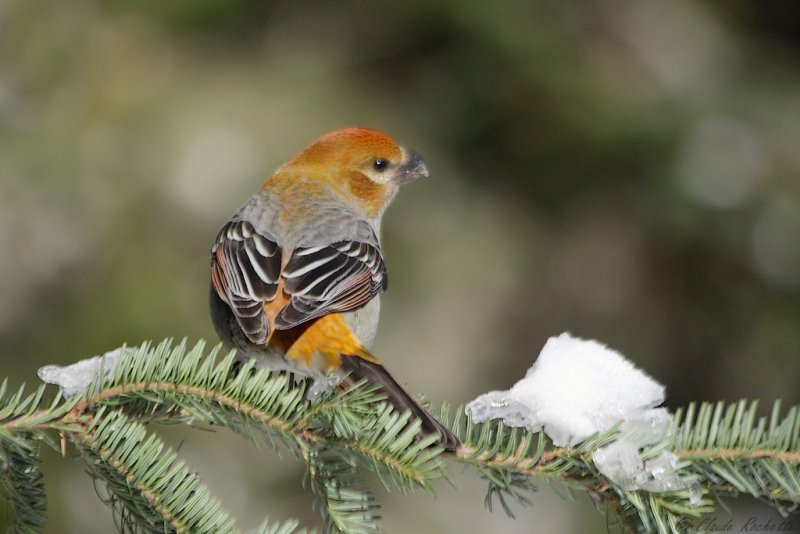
(367, 163)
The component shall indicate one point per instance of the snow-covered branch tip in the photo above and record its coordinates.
(651, 469)
(578, 388)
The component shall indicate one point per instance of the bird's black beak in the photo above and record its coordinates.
(412, 169)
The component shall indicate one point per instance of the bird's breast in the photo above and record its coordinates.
(364, 321)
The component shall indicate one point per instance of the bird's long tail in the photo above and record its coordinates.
(375, 373)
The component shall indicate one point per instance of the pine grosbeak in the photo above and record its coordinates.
(297, 271)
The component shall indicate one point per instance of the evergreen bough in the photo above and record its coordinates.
(723, 449)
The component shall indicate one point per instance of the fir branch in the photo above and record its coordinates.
(20, 475)
(262, 401)
(150, 488)
(23, 483)
(735, 451)
(649, 512)
(20, 413)
(287, 527)
(168, 383)
(722, 449)
(344, 507)
(390, 445)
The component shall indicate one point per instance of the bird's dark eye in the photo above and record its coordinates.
(380, 164)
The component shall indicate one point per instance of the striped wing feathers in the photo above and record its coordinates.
(247, 273)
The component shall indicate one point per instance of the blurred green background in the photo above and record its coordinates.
(626, 171)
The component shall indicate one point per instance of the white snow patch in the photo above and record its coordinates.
(74, 379)
(575, 389)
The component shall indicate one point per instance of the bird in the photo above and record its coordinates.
(297, 271)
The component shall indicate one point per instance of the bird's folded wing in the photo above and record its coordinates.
(245, 271)
(339, 277)
(246, 274)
